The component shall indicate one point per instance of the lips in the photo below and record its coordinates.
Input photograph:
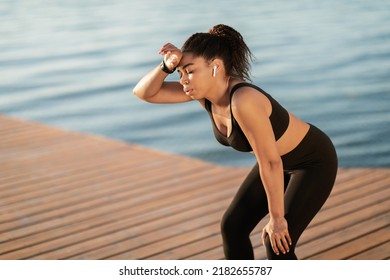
(187, 91)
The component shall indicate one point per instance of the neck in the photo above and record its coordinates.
(220, 93)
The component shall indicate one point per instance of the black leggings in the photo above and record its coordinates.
(309, 175)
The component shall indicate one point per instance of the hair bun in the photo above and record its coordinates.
(227, 33)
(218, 30)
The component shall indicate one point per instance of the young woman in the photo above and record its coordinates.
(296, 162)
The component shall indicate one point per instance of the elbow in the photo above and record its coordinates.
(143, 94)
(271, 164)
(138, 93)
(275, 163)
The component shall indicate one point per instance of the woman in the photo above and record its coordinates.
(296, 162)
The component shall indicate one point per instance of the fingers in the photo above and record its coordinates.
(279, 236)
(288, 239)
(274, 245)
(172, 55)
(283, 245)
(278, 243)
(168, 48)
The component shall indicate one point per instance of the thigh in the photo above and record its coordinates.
(307, 191)
(250, 203)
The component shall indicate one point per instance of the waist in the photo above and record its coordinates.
(315, 149)
(294, 134)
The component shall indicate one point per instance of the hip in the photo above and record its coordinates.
(315, 149)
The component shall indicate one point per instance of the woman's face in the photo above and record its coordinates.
(195, 76)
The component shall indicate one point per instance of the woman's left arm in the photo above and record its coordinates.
(249, 109)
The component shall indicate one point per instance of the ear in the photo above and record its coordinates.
(216, 65)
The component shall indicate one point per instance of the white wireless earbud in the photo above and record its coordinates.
(214, 70)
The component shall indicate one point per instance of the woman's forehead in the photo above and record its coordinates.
(189, 58)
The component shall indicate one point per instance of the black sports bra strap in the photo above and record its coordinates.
(207, 105)
(236, 87)
(239, 85)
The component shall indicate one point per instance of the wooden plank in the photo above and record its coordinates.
(139, 231)
(381, 252)
(356, 246)
(139, 204)
(329, 213)
(69, 195)
(104, 225)
(193, 248)
(342, 235)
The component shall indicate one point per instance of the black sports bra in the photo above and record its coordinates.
(279, 120)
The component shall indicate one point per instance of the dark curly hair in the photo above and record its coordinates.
(225, 43)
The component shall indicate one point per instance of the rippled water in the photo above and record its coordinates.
(73, 64)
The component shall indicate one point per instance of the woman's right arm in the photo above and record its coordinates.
(153, 88)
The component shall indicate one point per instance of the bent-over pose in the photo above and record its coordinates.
(296, 162)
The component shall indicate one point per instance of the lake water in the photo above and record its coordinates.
(73, 64)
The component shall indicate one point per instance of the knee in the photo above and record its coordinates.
(230, 226)
(272, 256)
(227, 225)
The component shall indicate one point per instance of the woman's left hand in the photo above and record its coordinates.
(277, 230)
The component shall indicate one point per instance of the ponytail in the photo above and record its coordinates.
(225, 43)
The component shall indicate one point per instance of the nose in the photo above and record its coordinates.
(184, 80)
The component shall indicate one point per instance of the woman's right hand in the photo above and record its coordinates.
(172, 55)
(153, 87)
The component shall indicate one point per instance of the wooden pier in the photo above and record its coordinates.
(68, 195)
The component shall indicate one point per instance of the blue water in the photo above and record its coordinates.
(73, 64)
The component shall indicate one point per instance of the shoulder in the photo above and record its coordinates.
(247, 99)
